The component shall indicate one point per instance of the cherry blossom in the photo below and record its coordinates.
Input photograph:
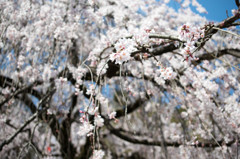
(85, 129)
(98, 154)
(118, 79)
(98, 121)
(112, 115)
(124, 48)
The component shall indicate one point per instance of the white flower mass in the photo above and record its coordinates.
(101, 79)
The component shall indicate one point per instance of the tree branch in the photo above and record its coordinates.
(237, 3)
(165, 37)
(131, 108)
(216, 54)
(8, 82)
(151, 142)
(8, 140)
(19, 91)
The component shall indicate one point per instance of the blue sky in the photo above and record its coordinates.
(216, 8)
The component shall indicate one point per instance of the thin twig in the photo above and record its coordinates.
(229, 32)
(166, 37)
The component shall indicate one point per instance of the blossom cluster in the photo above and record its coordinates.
(86, 128)
(142, 36)
(98, 154)
(164, 73)
(167, 73)
(78, 74)
(124, 47)
(190, 35)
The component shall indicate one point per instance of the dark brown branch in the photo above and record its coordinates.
(214, 55)
(67, 74)
(237, 3)
(8, 140)
(67, 148)
(164, 49)
(85, 150)
(28, 102)
(151, 142)
(165, 37)
(19, 91)
(227, 22)
(233, 24)
(73, 53)
(131, 108)
(8, 82)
